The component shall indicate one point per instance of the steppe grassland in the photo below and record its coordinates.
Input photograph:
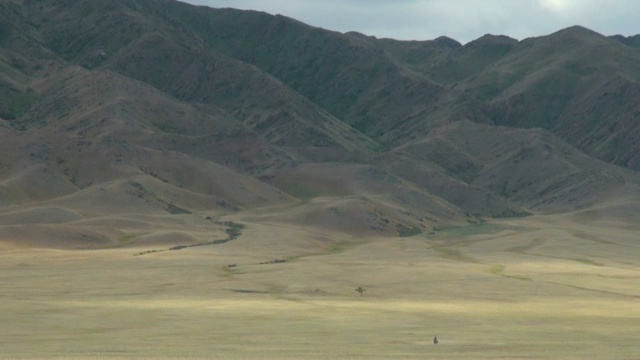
(536, 288)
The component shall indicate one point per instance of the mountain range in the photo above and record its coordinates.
(119, 115)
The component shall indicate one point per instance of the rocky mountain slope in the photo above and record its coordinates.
(161, 109)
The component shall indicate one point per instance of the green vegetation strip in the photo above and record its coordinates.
(498, 269)
(234, 230)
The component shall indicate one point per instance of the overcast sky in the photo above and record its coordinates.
(463, 20)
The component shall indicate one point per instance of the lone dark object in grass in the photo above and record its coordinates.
(435, 340)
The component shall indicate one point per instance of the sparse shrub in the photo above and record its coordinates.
(234, 229)
(405, 231)
(176, 210)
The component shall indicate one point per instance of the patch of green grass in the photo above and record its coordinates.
(475, 229)
(453, 254)
(586, 261)
(499, 269)
(129, 238)
(496, 269)
(344, 245)
(521, 249)
(523, 278)
(335, 248)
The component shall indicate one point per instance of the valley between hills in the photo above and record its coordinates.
(187, 182)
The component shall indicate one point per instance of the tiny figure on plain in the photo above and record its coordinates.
(435, 340)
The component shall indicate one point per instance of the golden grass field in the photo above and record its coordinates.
(548, 287)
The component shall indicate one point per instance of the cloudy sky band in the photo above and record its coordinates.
(463, 20)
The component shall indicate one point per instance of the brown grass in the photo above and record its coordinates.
(192, 304)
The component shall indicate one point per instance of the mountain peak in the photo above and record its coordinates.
(447, 42)
(633, 41)
(490, 39)
(577, 32)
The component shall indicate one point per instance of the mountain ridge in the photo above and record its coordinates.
(159, 107)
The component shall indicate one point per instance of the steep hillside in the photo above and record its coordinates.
(584, 91)
(169, 113)
(532, 168)
(576, 83)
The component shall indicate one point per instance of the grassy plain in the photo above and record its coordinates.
(556, 287)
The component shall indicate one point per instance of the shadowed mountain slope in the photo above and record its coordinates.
(160, 109)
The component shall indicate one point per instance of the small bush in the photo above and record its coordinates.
(405, 231)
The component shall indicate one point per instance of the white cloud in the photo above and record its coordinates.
(555, 5)
(463, 20)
